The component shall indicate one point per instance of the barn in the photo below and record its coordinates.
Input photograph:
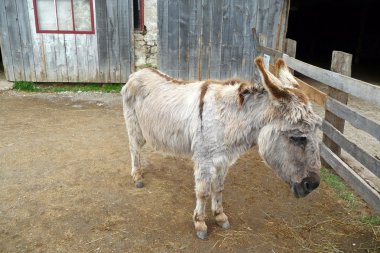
(104, 41)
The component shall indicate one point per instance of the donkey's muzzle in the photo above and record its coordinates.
(307, 185)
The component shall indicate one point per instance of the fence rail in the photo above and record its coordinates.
(338, 81)
(337, 112)
(370, 195)
(354, 117)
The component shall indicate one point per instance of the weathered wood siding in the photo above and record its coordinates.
(106, 56)
(212, 38)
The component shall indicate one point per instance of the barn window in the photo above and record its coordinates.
(64, 16)
(138, 14)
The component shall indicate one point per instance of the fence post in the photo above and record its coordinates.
(263, 39)
(290, 49)
(256, 52)
(341, 63)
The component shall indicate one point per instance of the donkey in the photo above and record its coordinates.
(217, 121)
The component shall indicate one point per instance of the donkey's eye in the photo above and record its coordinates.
(298, 140)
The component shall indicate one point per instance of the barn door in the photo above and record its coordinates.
(114, 19)
(204, 39)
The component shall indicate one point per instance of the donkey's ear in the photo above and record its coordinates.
(283, 73)
(244, 91)
(271, 83)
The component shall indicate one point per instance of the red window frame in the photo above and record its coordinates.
(38, 30)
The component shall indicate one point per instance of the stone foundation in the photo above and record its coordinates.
(145, 52)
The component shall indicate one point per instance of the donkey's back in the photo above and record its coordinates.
(161, 111)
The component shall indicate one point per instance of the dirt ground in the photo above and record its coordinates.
(65, 187)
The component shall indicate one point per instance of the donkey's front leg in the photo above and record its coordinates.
(217, 187)
(202, 192)
(136, 172)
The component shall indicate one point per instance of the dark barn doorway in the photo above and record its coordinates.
(352, 26)
(2, 74)
(138, 14)
(1, 62)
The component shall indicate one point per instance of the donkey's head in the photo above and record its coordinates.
(288, 140)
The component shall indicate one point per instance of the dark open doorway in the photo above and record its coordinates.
(2, 73)
(1, 62)
(352, 26)
(138, 14)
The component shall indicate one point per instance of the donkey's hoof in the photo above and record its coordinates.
(139, 184)
(202, 234)
(222, 221)
(225, 225)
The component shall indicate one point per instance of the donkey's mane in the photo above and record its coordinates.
(230, 81)
(169, 78)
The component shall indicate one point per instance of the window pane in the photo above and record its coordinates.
(46, 15)
(82, 15)
(65, 18)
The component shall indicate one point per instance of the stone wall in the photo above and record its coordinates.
(146, 41)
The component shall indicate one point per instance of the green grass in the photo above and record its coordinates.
(25, 86)
(339, 186)
(372, 220)
(148, 65)
(343, 192)
(84, 87)
(32, 87)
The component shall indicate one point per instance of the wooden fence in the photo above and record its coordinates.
(337, 112)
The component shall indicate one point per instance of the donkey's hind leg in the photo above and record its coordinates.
(217, 186)
(136, 171)
(136, 142)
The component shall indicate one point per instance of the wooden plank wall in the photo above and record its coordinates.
(212, 38)
(106, 56)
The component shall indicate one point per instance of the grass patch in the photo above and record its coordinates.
(372, 220)
(32, 87)
(343, 192)
(25, 86)
(148, 65)
(84, 87)
(339, 186)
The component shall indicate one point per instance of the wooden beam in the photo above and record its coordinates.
(256, 51)
(290, 49)
(341, 63)
(347, 84)
(371, 196)
(263, 40)
(314, 94)
(354, 117)
(359, 154)
(272, 52)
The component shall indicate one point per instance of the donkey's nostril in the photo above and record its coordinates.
(307, 187)
(310, 183)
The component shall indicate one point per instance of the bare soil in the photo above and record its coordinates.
(65, 187)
